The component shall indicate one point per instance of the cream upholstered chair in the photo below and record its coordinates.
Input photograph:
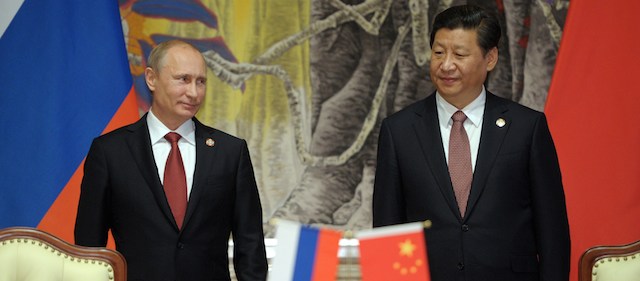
(29, 254)
(611, 263)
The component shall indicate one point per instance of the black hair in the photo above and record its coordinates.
(470, 17)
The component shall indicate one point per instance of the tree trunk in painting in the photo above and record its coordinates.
(346, 69)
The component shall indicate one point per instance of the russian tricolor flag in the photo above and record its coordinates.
(64, 79)
(305, 253)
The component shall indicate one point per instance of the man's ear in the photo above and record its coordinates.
(492, 58)
(150, 77)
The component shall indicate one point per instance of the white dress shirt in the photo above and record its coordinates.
(473, 123)
(161, 147)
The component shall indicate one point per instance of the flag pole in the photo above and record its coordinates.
(350, 256)
(427, 224)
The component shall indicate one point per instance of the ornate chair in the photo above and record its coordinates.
(28, 254)
(609, 263)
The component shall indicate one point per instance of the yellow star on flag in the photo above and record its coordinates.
(407, 248)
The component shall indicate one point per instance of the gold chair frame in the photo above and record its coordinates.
(591, 257)
(74, 252)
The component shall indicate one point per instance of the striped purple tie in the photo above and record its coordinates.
(460, 161)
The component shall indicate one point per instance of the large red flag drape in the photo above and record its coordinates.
(593, 108)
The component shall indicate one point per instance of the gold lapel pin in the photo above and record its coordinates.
(500, 122)
(210, 142)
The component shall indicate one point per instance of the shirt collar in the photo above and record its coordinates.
(157, 130)
(473, 110)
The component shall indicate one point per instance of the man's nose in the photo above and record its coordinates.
(447, 63)
(192, 90)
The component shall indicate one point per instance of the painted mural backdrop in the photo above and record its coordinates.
(307, 83)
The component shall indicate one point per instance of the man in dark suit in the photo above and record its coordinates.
(173, 225)
(491, 185)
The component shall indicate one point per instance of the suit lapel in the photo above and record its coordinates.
(139, 143)
(427, 129)
(205, 155)
(491, 140)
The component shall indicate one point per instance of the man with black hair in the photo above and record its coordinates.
(482, 168)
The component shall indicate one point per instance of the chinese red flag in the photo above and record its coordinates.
(394, 253)
(592, 110)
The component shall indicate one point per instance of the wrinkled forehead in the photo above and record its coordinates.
(182, 55)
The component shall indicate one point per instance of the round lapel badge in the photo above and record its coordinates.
(210, 142)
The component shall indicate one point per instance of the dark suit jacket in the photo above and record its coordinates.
(516, 225)
(121, 191)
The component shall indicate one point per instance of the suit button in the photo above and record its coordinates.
(180, 246)
(465, 228)
(460, 266)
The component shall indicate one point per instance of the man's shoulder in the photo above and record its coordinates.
(216, 134)
(513, 107)
(122, 131)
(418, 108)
